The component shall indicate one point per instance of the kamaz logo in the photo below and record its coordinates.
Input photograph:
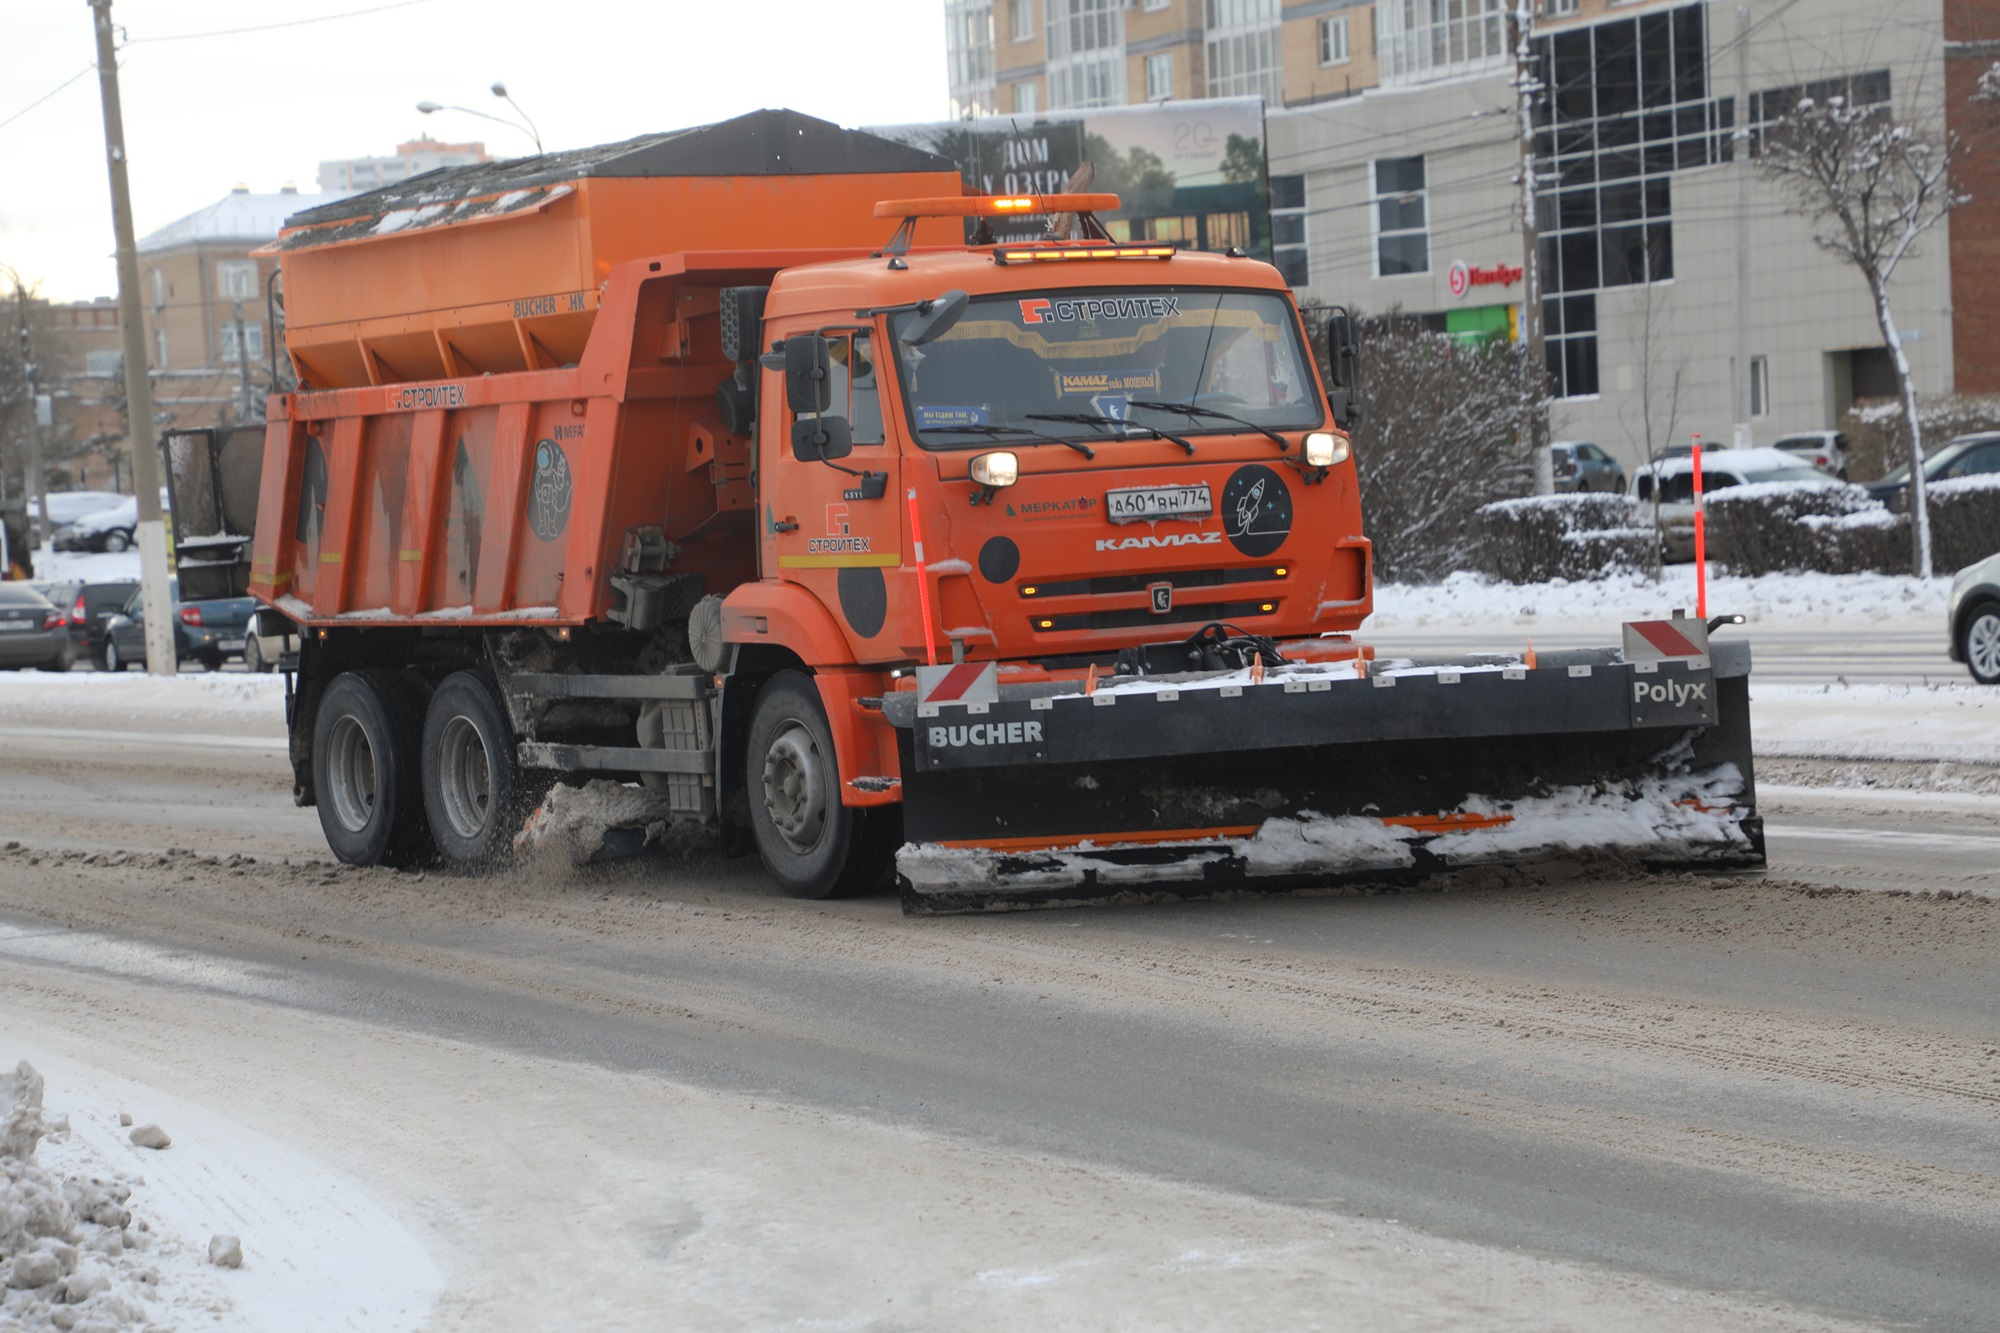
(1156, 540)
(1673, 692)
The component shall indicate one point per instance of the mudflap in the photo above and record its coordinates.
(1202, 787)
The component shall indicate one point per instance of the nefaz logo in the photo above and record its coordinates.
(1040, 310)
(1673, 692)
(1154, 541)
(986, 733)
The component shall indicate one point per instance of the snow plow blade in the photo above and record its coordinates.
(1216, 785)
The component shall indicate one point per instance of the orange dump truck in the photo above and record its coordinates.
(721, 462)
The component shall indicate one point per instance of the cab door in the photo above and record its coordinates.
(832, 525)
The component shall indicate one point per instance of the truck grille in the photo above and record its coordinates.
(1117, 583)
(1137, 616)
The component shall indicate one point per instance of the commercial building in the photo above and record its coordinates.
(1393, 147)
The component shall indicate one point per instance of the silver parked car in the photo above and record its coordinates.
(1972, 617)
(1721, 469)
(33, 630)
(1581, 466)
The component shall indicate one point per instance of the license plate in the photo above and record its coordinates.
(8, 626)
(1136, 506)
(231, 645)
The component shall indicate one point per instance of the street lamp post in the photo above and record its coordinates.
(428, 107)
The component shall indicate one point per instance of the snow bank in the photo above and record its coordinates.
(1955, 723)
(90, 566)
(1803, 599)
(99, 697)
(575, 820)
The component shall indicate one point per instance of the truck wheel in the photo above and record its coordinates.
(365, 770)
(814, 846)
(472, 784)
(1979, 643)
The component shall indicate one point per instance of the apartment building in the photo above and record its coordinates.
(414, 157)
(1393, 150)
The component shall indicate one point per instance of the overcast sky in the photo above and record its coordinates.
(264, 108)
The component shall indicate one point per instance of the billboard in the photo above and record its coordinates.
(1187, 172)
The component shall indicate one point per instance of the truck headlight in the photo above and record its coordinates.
(995, 469)
(1324, 450)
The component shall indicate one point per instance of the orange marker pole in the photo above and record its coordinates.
(1700, 540)
(923, 581)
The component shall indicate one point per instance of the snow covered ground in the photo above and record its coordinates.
(1467, 599)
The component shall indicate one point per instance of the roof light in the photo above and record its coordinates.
(989, 205)
(1042, 254)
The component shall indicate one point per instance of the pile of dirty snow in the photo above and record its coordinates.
(1805, 599)
(578, 821)
(72, 1254)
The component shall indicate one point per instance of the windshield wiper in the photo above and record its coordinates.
(1011, 432)
(1195, 410)
(1090, 419)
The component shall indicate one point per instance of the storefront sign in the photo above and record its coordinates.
(1463, 277)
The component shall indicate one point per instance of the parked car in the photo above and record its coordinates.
(1720, 470)
(88, 607)
(1972, 617)
(106, 530)
(32, 631)
(206, 633)
(1824, 449)
(1964, 456)
(66, 507)
(1585, 467)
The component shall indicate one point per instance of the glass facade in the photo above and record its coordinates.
(1086, 65)
(1244, 58)
(1420, 40)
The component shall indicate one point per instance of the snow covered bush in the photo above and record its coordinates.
(1878, 433)
(1965, 520)
(1791, 527)
(1543, 537)
(1440, 435)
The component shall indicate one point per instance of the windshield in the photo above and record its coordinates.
(1014, 362)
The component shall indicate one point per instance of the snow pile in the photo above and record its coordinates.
(1667, 816)
(1813, 600)
(71, 1256)
(576, 820)
(96, 698)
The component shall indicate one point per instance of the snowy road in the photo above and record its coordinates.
(658, 1093)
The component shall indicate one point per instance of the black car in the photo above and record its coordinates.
(1966, 456)
(32, 631)
(86, 608)
(205, 633)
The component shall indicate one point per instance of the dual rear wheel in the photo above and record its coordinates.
(405, 774)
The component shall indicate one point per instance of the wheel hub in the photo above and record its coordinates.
(351, 774)
(795, 788)
(1982, 644)
(465, 778)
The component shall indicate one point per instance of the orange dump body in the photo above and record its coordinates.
(502, 267)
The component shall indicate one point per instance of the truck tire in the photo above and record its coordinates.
(365, 770)
(473, 786)
(814, 846)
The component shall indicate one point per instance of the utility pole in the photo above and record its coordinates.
(1743, 385)
(152, 531)
(1534, 349)
(39, 527)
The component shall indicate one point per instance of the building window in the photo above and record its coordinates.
(253, 341)
(236, 279)
(1333, 41)
(159, 290)
(1561, 9)
(1244, 57)
(1153, 6)
(1569, 340)
(1086, 66)
(1870, 89)
(1020, 19)
(104, 363)
(1760, 386)
(159, 349)
(1288, 228)
(1024, 99)
(968, 41)
(1402, 231)
(1420, 40)
(1159, 76)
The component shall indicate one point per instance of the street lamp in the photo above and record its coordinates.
(427, 107)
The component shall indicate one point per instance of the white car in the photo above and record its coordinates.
(1973, 618)
(1823, 449)
(1720, 469)
(106, 530)
(66, 507)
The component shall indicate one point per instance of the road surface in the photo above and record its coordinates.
(1519, 1099)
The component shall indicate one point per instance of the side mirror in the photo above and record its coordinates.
(1343, 365)
(935, 318)
(818, 439)
(808, 373)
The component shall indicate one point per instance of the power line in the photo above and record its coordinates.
(267, 27)
(46, 96)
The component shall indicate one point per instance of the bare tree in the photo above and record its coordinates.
(1872, 186)
(1659, 404)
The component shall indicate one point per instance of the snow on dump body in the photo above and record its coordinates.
(1679, 818)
